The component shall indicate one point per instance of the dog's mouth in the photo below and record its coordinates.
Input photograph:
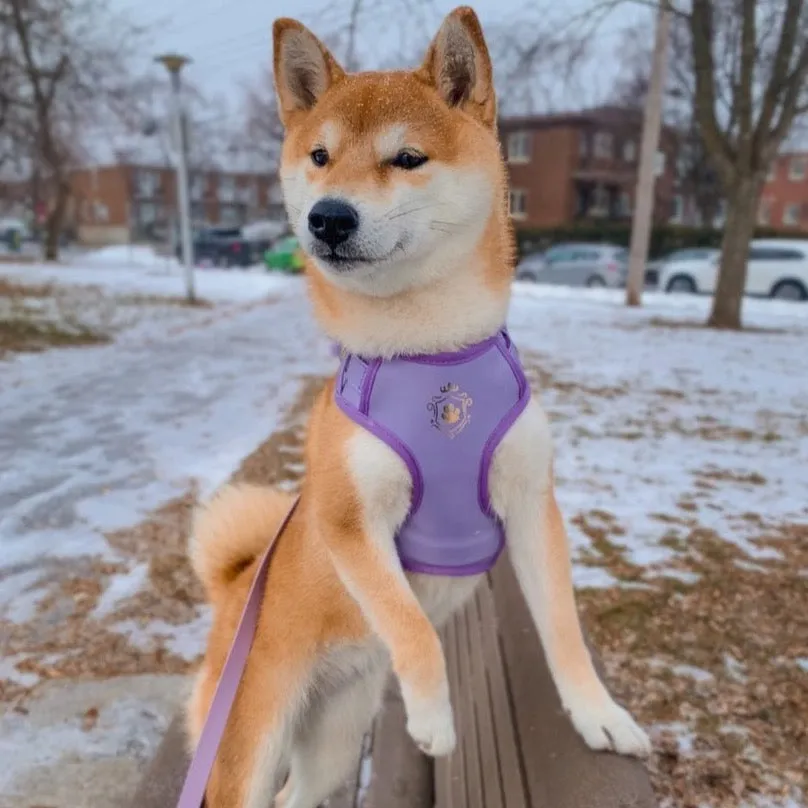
(346, 261)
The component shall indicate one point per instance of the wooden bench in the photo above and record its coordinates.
(516, 749)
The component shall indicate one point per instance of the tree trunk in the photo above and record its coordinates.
(55, 222)
(742, 209)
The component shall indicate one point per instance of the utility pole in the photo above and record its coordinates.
(174, 64)
(646, 178)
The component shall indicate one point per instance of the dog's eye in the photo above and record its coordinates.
(319, 157)
(408, 160)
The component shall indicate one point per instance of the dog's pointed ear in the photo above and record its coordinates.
(459, 66)
(304, 68)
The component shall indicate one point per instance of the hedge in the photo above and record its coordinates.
(664, 238)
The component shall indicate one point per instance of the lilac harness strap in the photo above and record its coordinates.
(196, 780)
(444, 415)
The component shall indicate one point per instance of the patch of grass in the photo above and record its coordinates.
(17, 291)
(757, 704)
(25, 334)
(160, 300)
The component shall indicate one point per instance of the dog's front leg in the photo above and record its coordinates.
(361, 525)
(522, 494)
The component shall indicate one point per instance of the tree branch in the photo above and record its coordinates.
(704, 64)
(793, 88)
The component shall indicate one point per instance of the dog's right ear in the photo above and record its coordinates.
(304, 68)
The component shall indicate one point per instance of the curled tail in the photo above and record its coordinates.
(231, 530)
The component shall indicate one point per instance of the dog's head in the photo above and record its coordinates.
(389, 177)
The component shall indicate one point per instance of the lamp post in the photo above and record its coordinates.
(174, 63)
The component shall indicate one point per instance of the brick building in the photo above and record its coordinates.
(118, 203)
(572, 167)
(784, 199)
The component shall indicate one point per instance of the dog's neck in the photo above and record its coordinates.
(459, 309)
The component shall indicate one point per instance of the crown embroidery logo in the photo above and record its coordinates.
(450, 410)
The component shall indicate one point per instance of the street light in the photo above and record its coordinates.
(174, 63)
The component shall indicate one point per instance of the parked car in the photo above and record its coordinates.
(590, 265)
(777, 268)
(224, 247)
(285, 255)
(654, 268)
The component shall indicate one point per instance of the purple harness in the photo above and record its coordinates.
(444, 415)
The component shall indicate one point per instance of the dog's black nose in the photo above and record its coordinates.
(333, 221)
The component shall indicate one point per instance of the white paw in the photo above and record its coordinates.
(605, 725)
(432, 729)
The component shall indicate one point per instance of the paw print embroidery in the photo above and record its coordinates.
(450, 410)
(451, 414)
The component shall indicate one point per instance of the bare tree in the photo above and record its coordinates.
(73, 77)
(748, 60)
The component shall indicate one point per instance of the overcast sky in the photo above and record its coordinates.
(230, 41)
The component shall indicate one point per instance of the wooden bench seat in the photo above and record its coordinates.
(516, 748)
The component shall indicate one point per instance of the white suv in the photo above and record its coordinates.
(777, 268)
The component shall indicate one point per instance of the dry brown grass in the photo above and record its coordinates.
(744, 628)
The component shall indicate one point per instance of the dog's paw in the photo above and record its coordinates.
(605, 725)
(432, 729)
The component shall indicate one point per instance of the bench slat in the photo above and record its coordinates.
(586, 779)
(483, 704)
(468, 716)
(512, 778)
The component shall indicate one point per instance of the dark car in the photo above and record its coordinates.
(225, 247)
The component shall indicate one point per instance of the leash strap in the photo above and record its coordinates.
(196, 780)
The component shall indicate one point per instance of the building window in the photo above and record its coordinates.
(796, 169)
(659, 163)
(583, 144)
(227, 189)
(198, 213)
(198, 187)
(600, 201)
(518, 203)
(275, 194)
(720, 218)
(791, 215)
(147, 183)
(771, 176)
(677, 208)
(231, 216)
(603, 145)
(624, 204)
(100, 212)
(764, 211)
(629, 151)
(146, 214)
(248, 194)
(519, 147)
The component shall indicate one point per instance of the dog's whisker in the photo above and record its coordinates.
(411, 210)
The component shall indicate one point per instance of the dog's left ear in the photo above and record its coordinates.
(458, 65)
(304, 68)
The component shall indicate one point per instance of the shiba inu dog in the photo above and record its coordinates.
(395, 186)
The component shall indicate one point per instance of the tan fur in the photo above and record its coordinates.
(339, 610)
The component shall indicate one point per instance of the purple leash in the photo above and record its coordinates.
(196, 781)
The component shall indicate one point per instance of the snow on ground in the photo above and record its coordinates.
(147, 274)
(660, 431)
(640, 412)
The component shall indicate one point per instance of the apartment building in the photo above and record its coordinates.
(582, 166)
